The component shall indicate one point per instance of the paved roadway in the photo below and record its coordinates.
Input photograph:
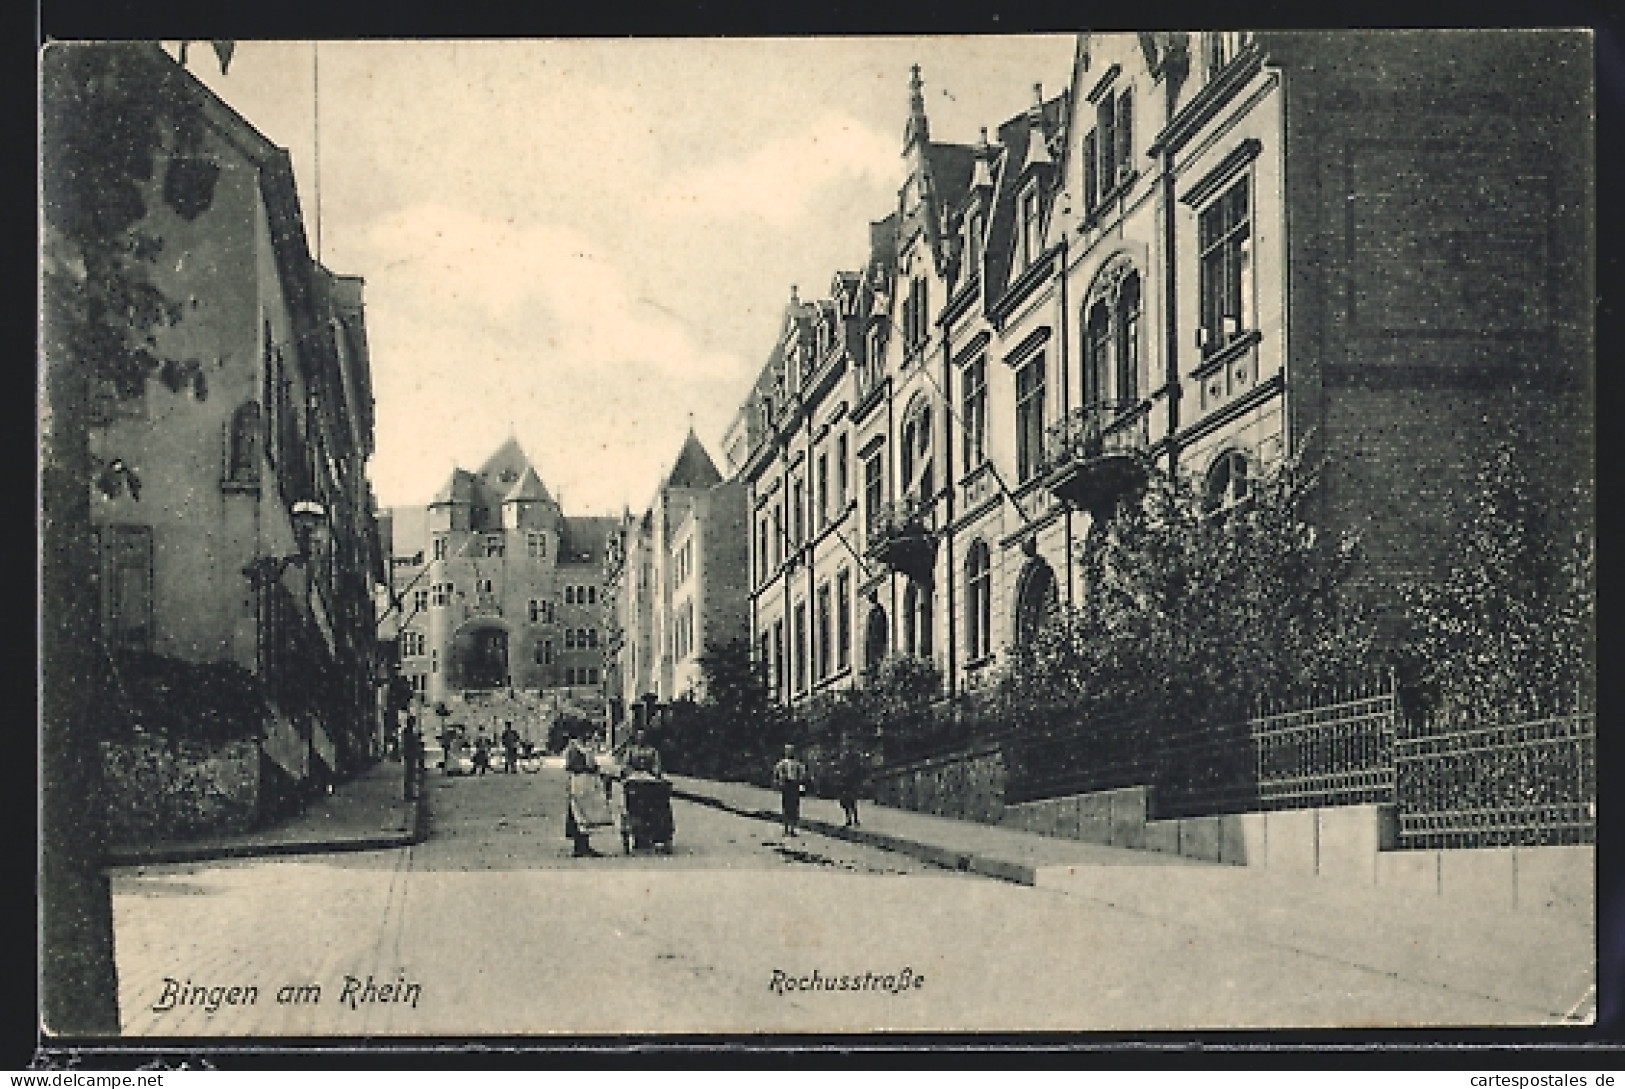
(490, 927)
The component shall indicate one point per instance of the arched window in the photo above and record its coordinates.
(978, 603)
(243, 445)
(875, 639)
(918, 479)
(1228, 481)
(1098, 345)
(1128, 340)
(1036, 601)
(917, 620)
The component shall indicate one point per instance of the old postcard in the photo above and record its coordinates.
(557, 538)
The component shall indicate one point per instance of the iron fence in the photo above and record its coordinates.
(1519, 784)
(1339, 752)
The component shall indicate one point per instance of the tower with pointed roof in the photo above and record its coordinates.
(501, 598)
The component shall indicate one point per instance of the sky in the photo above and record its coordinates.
(590, 243)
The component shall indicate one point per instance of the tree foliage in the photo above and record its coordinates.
(1510, 627)
(1193, 612)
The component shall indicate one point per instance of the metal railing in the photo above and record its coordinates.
(1518, 784)
(1094, 431)
(1335, 753)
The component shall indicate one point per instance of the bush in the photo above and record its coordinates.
(201, 701)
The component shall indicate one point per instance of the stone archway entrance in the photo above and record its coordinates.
(479, 657)
(1036, 600)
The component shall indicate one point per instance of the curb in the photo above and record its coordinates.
(947, 858)
(210, 852)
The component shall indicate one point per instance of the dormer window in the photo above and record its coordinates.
(1030, 240)
(973, 245)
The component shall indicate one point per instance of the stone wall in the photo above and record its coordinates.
(967, 785)
(162, 789)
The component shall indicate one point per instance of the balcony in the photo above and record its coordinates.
(1096, 455)
(902, 537)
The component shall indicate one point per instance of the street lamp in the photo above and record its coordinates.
(309, 518)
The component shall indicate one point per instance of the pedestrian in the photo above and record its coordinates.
(510, 748)
(581, 794)
(790, 776)
(641, 756)
(482, 755)
(851, 772)
(411, 759)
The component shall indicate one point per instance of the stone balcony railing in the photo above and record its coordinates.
(1096, 455)
(903, 536)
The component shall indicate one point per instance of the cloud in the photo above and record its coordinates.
(779, 181)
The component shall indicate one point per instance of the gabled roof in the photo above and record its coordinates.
(1015, 135)
(528, 489)
(459, 488)
(508, 464)
(694, 467)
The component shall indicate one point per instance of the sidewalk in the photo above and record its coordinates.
(367, 813)
(1540, 960)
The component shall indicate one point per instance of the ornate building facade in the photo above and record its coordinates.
(500, 593)
(1211, 251)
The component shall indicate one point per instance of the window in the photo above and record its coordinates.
(535, 611)
(916, 317)
(1029, 226)
(442, 594)
(1228, 481)
(127, 586)
(1029, 418)
(569, 639)
(592, 595)
(482, 586)
(916, 454)
(569, 595)
(243, 445)
(973, 245)
(917, 620)
(547, 651)
(592, 637)
(413, 644)
(1221, 47)
(420, 600)
(843, 620)
(1128, 340)
(536, 545)
(1112, 340)
(1106, 142)
(1125, 134)
(1091, 172)
(440, 548)
(822, 485)
(826, 621)
(434, 661)
(800, 665)
(797, 513)
(842, 481)
(569, 676)
(1224, 235)
(494, 545)
(778, 534)
(1097, 353)
(764, 659)
(761, 550)
(420, 684)
(874, 487)
(974, 413)
(542, 652)
(978, 603)
(778, 657)
(592, 674)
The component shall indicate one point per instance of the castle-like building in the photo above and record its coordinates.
(498, 594)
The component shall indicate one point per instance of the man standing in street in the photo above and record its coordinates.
(411, 758)
(510, 748)
(789, 775)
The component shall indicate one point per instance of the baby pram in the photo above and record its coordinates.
(643, 812)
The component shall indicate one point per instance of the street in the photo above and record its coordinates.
(491, 928)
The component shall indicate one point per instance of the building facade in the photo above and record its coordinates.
(497, 595)
(1210, 251)
(675, 587)
(269, 413)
